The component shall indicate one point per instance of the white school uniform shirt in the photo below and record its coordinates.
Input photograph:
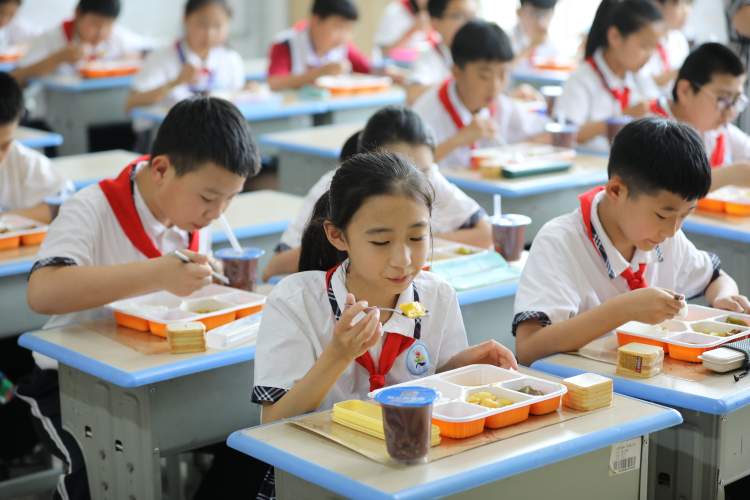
(586, 99)
(545, 51)
(86, 232)
(121, 43)
(164, 65)
(451, 210)
(396, 21)
(514, 122)
(677, 48)
(298, 324)
(17, 32)
(737, 142)
(433, 65)
(565, 275)
(27, 177)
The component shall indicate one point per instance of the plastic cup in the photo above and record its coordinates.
(563, 135)
(407, 422)
(241, 268)
(615, 124)
(509, 235)
(551, 93)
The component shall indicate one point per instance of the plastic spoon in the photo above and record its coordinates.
(230, 234)
(497, 201)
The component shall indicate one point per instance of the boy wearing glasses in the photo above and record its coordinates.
(707, 94)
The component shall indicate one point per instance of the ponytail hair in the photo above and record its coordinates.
(628, 16)
(358, 179)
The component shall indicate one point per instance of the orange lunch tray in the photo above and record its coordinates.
(17, 231)
(457, 418)
(354, 84)
(10, 57)
(107, 70)
(687, 339)
(214, 306)
(731, 200)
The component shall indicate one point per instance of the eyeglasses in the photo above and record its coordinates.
(737, 103)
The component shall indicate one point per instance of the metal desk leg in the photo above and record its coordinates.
(123, 433)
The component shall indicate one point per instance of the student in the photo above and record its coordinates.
(115, 240)
(673, 47)
(322, 46)
(363, 250)
(26, 176)
(405, 24)
(434, 65)
(622, 39)
(13, 30)
(708, 96)
(91, 34)
(455, 216)
(199, 63)
(470, 110)
(530, 37)
(590, 271)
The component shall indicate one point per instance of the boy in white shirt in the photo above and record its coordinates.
(405, 24)
(588, 272)
(92, 34)
(116, 239)
(470, 110)
(26, 176)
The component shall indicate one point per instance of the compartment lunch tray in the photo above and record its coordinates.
(730, 200)
(214, 306)
(16, 231)
(687, 339)
(458, 418)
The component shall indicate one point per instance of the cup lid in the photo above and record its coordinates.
(511, 220)
(554, 127)
(245, 254)
(408, 396)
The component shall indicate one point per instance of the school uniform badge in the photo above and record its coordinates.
(417, 359)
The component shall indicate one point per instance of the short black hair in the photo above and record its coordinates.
(340, 8)
(106, 8)
(437, 8)
(207, 129)
(540, 4)
(706, 61)
(479, 40)
(653, 154)
(3, 2)
(11, 100)
(194, 5)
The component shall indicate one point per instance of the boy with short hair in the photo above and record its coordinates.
(26, 176)
(470, 109)
(91, 34)
(530, 37)
(321, 46)
(589, 271)
(116, 239)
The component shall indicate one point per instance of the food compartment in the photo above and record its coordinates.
(458, 419)
(549, 394)
(18, 231)
(716, 329)
(510, 404)
(254, 302)
(479, 375)
(446, 391)
(689, 346)
(650, 334)
(735, 319)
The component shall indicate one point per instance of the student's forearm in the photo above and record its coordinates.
(665, 78)
(286, 82)
(723, 286)
(478, 236)
(43, 67)
(568, 335)
(67, 289)
(590, 130)
(308, 392)
(735, 174)
(449, 145)
(414, 91)
(40, 213)
(150, 97)
(285, 262)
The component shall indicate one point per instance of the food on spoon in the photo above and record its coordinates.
(413, 310)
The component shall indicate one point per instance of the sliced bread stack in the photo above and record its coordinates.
(639, 360)
(186, 337)
(587, 391)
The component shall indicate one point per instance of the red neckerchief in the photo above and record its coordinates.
(663, 55)
(393, 346)
(657, 109)
(719, 152)
(622, 95)
(445, 100)
(635, 279)
(409, 7)
(69, 30)
(119, 194)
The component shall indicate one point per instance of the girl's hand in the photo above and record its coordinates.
(734, 303)
(351, 341)
(489, 352)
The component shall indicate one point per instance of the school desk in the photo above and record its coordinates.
(127, 409)
(525, 73)
(561, 461)
(7, 67)
(37, 139)
(705, 453)
(726, 237)
(88, 168)
(74, 104)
